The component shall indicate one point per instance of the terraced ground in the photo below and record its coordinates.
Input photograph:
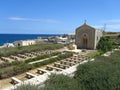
(101, 74)
(59, 64)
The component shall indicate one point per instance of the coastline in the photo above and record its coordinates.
(10, 38)
(2, 46)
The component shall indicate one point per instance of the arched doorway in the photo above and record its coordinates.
(18, 44)
(85, 42)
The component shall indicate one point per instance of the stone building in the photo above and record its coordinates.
(24, 42)
(87, 37)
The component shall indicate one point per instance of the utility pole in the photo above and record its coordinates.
(104, 28)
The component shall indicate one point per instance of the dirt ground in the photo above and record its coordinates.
(4, 83)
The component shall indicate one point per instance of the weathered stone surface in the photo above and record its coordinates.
(87, 37)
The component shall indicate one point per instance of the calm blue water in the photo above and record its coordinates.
(9, 38)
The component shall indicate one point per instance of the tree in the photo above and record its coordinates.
(104, 44)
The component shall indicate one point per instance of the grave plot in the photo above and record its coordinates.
(15, 80)
(15, 58)
(67, 63)
(51, 68)
(1, 61)
(59, 65)
(29, 75)
(42, 71)
(6, 59)
(29, 55)
(22, 56)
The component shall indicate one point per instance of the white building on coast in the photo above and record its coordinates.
(8, 45)
(24, 42)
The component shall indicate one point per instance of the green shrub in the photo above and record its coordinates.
(103, 74)
(56, 82)
(104, 44)
(31, 48)
(61, 82)
(27, 87)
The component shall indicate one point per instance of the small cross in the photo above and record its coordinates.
(85, 21)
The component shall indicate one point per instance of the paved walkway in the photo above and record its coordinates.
(42, 60)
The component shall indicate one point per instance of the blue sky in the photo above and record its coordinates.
(57, 16)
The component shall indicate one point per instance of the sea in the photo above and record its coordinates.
(10, 38)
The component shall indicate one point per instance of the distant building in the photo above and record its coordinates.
(62, 40)
(87, 37)
(52, 39)
(8, 45)
(24, 42)
(71, 37)
(112, 35)
(41, 40)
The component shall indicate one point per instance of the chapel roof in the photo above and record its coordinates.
(85, 25)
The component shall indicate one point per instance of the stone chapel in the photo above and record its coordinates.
(87, 37)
